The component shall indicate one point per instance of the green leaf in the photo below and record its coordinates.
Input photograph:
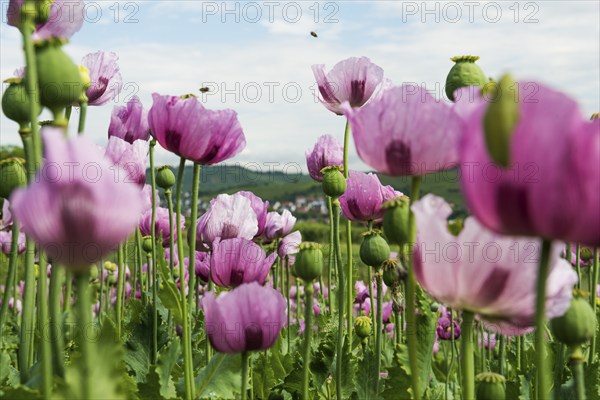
(281, 363)
(263, 378)
(158, 380)
(426, 324)
(366, 377)
(397, 384)
(293, 382)
(348, 370)
(138, 343)
(592, 381)
(20, 393)
(168, 293)
(221, 378)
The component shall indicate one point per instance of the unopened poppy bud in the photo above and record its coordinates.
(165, 178)
(586, 253)
(362, 327)
(147, 244)
(84, 74)
(16, 102)
(455, 226)
(334, 183)
(58, 77)
(434, 307)
(577, 325)
(464, 73)
(94, 272)
(374, 250)
(112, 279)
(12, 175)
(500, 118)
(490, 386)
(395, 220)
(309, 261)
(393, 272)
(110, 266)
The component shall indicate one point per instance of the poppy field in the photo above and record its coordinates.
(117, 283)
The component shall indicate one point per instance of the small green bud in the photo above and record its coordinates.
(147, 244)
(393, 272)
(16, 102)
(586, 253)
(94, 272)
(464, 73)
(110, 266)
(165, 178)
(374, 250)
(490, 386)
(395, 220)
(577, 325)
(434, 307)
(12, 175)
(309, 261)
(455, 226)
(58, 77)
(500, 119)
(362, 327)
(334, 183)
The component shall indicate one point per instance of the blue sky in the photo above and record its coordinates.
(257, 56)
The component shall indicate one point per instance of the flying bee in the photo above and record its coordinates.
(204, 89)
(313, 34)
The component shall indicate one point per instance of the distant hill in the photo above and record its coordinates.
(279, 186)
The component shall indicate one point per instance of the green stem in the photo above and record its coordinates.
(10, 277)
(137, 276)
(411, 332)
(120, 283)
(308, 331)
(558, 369)
(502, 368)
(451, 366)
(594, 287)
(540, 343)
(287, 296)
(82, 280)
(371, 298)
(100, 308)
(466, 354)
(349, 279)
(31, 83)
(68, 290)
(82, 115)
(169, 197)
(245, 357)
(188, 378)
(57, 339)
(378, 336)
(340, 335)
(45, 353)
(576, 360)
(153, 254)
(577, 266)
(332, 262)
(192, 255)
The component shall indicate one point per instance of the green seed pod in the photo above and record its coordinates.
(490, 386)
(464, 73)
(500, 119)
(586, 254)
(94, 272)
(110, 266)
(12, 175)
(309, 261)
(16, 102)
(58, 77)
(147, 244)
(393, 272)
(434, 307)
(362, 327)
(395, 220)
(374, 250)
(577, 325)
(165, 178)
(334, 183)
(112, 279)
(455, 226)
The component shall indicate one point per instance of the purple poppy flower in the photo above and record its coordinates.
(260, 207)
(186, 128)
(237, 261)
(147, 195)
(386, 312)
(75, 210)
(6, 220)
(353, 80)
(6, 242)
(161, 225)
(364, 197)
(202, 265)
(552, 148)
(106, 80)
(406, 131)
(229, 216)
(489, 274)
(326, 153)
(444, 329)
(289, 244)
(248, 318)
(129, 122)
(278, 225)
(489, 341)
(130, 157)
(65, 19)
